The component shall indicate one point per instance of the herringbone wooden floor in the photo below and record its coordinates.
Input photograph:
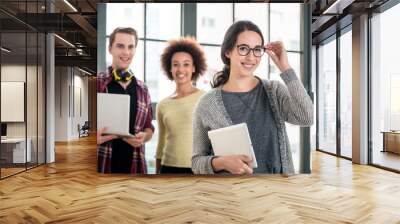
(71, 191)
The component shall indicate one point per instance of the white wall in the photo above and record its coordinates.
(14, 73)
(71, 94)
(81, 82)
(17, 73)
(33, 127)
(61, 103)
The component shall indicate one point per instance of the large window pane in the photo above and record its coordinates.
(255, 12)
(211, 23)
(294, 61)
(385, 86)
(163, 21)
(285, 24)
(346, 94)
(214, 65)
(294, 130)
(125, 15)
(313, 130)
(151, 148)
(159, 85)
(327, 97)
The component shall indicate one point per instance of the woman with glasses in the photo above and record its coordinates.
(238, 96)
(183, 62)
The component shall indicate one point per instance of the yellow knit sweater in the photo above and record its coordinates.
(174, 118)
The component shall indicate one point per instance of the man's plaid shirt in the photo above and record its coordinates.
(144, 117)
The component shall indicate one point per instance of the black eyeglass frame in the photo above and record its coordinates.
(250, 49)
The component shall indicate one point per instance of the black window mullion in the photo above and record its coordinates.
(369, 78)
(37, 91)
(26, 86)
(45, 73)
(338, 95)
(182, 16)
(73, 91)
(269, 38)
(317, 96)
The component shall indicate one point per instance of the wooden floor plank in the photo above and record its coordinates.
(71, 191)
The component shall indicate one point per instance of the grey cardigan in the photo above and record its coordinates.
(289, 103)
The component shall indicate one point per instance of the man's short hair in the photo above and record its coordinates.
(127, 30)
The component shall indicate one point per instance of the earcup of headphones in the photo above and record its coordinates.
(123, 74)
(120, 75)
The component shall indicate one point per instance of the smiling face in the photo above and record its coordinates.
(182, 67)
(122, 50)
(245, 65)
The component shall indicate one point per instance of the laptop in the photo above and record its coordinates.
(113, 113)
(232, 140)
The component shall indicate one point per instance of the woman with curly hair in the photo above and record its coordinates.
(183, 62)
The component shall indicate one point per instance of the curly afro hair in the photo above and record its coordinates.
(188, 45)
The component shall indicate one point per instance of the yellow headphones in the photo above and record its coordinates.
(120, 75)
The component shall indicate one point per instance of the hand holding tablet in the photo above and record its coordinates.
(234, 141)
(136, 140)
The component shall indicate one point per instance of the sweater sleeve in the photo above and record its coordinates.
(202, 155)
(294, 102)
(161, 133)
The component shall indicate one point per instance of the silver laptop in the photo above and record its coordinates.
(232, 140)
(113, 113)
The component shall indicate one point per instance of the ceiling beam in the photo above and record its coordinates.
(337, 7)
(83, 61)
(84, 24)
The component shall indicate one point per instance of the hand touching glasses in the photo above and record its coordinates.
(277, 52)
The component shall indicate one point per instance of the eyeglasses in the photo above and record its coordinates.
(244, 50)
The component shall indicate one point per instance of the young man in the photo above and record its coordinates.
(125, 155)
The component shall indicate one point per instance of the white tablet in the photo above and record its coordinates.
(232, 140)
(113, 113)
